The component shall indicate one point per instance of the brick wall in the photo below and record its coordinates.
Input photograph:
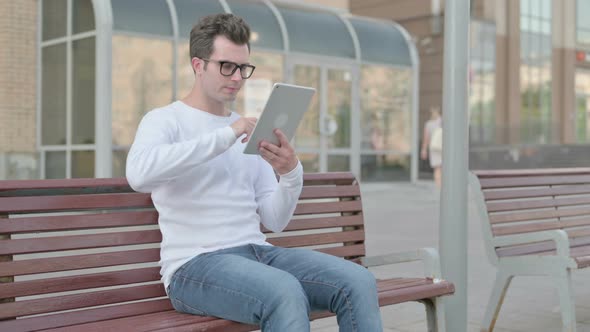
(18, 59)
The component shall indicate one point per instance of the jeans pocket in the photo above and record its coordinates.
(185, 308)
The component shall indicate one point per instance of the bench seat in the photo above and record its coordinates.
(81, 255)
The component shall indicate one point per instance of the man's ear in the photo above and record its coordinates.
(197, 65)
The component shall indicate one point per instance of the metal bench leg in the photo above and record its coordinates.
(435, 314)
(567, 302)
(496, 298)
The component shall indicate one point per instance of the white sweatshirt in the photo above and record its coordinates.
(209, 194)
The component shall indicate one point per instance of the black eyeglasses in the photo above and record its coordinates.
(227, 68)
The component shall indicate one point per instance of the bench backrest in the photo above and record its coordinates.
(66, 243)
(522, 201)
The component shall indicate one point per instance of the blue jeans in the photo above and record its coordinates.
(276, 288)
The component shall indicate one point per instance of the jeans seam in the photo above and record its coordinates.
(346, 297)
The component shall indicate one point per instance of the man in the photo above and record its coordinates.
(211, 199)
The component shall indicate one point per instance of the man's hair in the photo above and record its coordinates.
(204, 32)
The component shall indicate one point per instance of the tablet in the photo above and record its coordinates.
(283, 110)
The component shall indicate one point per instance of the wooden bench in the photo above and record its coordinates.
(81, 255)
(535, 222)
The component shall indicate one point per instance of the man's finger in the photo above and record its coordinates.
(282, 138)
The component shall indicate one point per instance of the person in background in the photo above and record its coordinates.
(212, 198)
(432, 150)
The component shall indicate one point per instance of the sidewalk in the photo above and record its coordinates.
(404, 216)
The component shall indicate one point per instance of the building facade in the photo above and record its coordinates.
(88, 70)
(529, 78)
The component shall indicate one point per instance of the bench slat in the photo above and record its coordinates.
(530, 181)
(317, 239)
(328, 207)
(539, 226)
(323, 222)
(68, 263)
(86, 316)
(74, 202)
(76, 282)
(345, 251)
(330, 192)
(337, 178)
(538, 203)
(83, 300)
(390, 292)
(57, 243)
(78, 222)
(536, 192)
(496, 218)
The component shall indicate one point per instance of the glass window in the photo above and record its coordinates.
(385, 123)
(149, 17)
(482, 119)
(83, 79)
(190, 11)
(337, 121)
(83, 19)
(308, 132)
(265, 30)
(535, 71)
(256, 89)
(317, 33)
(82, 164)
(381, 42)
(55, 164)
(54, 18)
(53, 95)
(142, 81)
(385, 109)
(582, 22)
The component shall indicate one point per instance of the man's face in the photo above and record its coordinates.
(214, 84)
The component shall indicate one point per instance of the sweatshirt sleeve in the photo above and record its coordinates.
(277, 201)
(156, 156)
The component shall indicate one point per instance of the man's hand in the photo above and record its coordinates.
(282, 158)
(244, 126)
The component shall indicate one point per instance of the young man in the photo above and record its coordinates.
(211, 199)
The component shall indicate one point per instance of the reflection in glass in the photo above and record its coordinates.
(55, 165)
(142, 81)
(191, 11)
(83, 91)
(265, 30)
(338, 163)
(337, 122)
(317, 33)
(82, 164)
(382, 168)
(535, 72)
(308, 135)
(54, 18)
(482, 119)
(310, 162)
(53, 95)
(119, 161)
(147, 17)
(83, 19)
(385, 109)
(255, 91)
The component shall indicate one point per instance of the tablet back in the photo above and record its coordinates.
(284, 110)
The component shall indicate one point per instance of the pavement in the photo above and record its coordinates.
(404, 216)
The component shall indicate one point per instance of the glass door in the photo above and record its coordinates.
(324, 137)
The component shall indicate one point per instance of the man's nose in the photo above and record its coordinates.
(237, 75)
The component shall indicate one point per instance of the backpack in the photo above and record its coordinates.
(436, 140)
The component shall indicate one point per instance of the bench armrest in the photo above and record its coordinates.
(429, 256)
(559, 236)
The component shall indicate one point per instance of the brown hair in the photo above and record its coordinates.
(204, 32)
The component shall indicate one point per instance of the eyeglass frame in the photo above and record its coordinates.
(236, 66)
